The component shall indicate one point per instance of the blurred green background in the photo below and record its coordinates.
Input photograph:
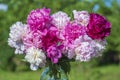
(106, 67)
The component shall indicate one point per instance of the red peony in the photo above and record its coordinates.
(98, 27)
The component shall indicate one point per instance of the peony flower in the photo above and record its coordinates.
(83, 50)
(35, 57)
(17, 33)
(81, 17)
(54, 53)
(75, 48)
(98, 27)
(38, 19)
(51, 38)
(33, 39)
(86, 48)
(73, 31)
(60, 19)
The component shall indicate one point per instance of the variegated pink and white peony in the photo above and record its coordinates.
(60, 19)
(81, 17)
(17, 33)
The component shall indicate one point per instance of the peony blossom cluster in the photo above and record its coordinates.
(47, 38)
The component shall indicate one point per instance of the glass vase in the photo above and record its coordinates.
(53, 72)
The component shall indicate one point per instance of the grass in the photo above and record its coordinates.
(111, 72)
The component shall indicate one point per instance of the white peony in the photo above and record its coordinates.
(35, 57)
(60, 19)
(81, 17)
(17, 32)
(86, 48)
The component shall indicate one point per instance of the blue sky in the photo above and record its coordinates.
(3, 7)
(108, 3)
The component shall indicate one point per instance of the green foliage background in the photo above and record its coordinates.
(19, 9)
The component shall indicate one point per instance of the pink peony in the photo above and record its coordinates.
(51, 38)
(98, 27)
(38, 19)
(81, 17)
(73, 31)
(33, 39)
(54, 53)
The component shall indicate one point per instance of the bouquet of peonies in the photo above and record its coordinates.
(55, 40)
